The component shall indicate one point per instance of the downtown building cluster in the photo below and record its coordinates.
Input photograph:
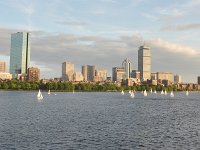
(121, 75)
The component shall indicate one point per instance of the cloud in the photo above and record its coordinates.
(183, 27)
(72, 23)
(174, 48)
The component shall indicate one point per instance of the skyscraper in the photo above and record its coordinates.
(144, 62)
(177, 79)
(20, 53)
(2, 66)
(126, 64)
(198, 79)
(67, 71)
(88, 72)
(118, 73)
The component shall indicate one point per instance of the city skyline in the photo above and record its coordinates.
(106, 34)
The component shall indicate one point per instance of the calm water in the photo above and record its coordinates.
(99, 121)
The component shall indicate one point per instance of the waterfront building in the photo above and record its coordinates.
(5, 76)
(164, 76)
(67, 71)
(177, 79)
(20, 53)
(118, 73)
(2, 66)
(33, 74)
(126, 64)
(154, 76)
(88, 72)
(78, 76)
(135, 74)
(144, 62)
(100, 75)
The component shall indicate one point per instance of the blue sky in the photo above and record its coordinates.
(104, 32)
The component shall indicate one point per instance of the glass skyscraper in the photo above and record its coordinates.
(144, 62)
(126, 64)
(20, 53)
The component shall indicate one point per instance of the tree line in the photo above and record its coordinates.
(88, 87)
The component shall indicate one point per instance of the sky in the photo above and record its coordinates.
(105, 32)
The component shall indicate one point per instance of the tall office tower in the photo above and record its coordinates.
(177, 79)
(118, 74)
(67, 71)
(88, 72)
(20, 53)
(198, 79)
(33, 74)
(100, 75)
(126, 64)
(2, 66)
(144, 62)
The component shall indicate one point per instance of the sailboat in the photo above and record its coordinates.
(122, 92)
(155, 92)
(132, 94)
(165, 92)
(162, 92)
(129, 91)
(151, 90)
(49, 92)
(171, 94)
(39, 95)
(187, 93)
(145, 93)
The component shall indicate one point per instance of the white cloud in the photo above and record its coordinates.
(174, 48)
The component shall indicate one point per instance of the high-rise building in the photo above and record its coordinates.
(33, 74)
(126, 64)
(88, 72)
(118, 74)
(100, 75)
(177, 79)
(20, 53)
(144, 62)
(198, 79)
(67, 71)
(2, 66)
(78, 76)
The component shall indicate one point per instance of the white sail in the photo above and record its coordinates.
(49, 92)
(155, 92)
(171, 94)
(187, 93)
(39, 95)
(145, 93)
(132, 94)
(122, 92)
(151, 90)
(165, 92)
(162, 92)
(129, 91)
